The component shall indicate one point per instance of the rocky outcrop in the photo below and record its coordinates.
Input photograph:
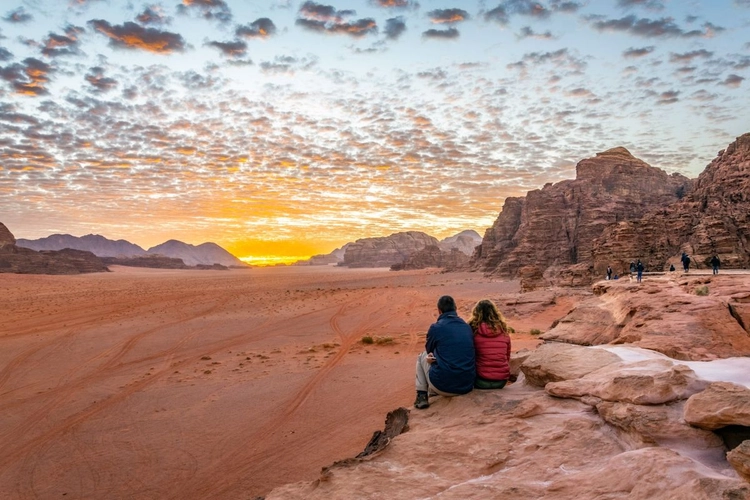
(558, 224)
(712, 218)
(663, 314)
(15, 259)
(94, 243)
(558, 362)
(720, 405)
(521, 443)
(386, 251)
(465, 242)
(740, 459)
(434, 256)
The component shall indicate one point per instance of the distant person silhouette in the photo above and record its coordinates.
(685, 261)
(447, 365)
(671, 267)
(639, 268)
(609, 273)
(715, 263)
(491, 346)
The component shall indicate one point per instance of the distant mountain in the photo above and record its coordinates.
(94, 243)
(193, 255)
(465, 242)
(204, 254)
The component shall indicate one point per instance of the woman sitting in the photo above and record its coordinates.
(491, 345)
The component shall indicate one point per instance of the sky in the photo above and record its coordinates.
(282, 129)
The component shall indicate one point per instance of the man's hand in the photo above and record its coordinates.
(431, 358)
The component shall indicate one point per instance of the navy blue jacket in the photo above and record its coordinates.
(451, 340)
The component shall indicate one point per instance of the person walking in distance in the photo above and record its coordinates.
(715, 263)
(609, 273)
(685, 262)
(639, 268)
(447, 365)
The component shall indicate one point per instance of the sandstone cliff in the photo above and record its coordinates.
(15, 259)
(712, 218)
(434, 256)
(465, 242)
(386, 251)
(94, 243)
(557, 225)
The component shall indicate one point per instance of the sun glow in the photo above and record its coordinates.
(272, 260)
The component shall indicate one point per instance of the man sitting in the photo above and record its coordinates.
(446, 367)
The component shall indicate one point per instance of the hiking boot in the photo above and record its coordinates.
(422, 401)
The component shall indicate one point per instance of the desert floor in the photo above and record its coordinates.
(145, 383)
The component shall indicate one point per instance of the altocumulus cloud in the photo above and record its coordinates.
(29, 77)
(18, 15)
(236, 48)
(448, 34)
(63, 45)
(327, 19)
(209, 9)
(648, 28)
(260, 28)
(134, 36)
(444, 16)
(394, 27)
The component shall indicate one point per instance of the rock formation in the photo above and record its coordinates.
(434, 256)
(15, 259)
(152, 261)
(663, 314)
(335, 257)
(712, 218)
(386, 251)
(465, 242)
(557, 225)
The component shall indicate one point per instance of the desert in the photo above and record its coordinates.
(148, 383)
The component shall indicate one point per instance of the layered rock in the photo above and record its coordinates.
(434, 256)
(712, 218)
(386, 251)
(720, 405)
(663, 314)
(15, 259)
(558, 224)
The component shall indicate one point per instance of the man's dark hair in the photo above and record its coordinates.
(446, 304)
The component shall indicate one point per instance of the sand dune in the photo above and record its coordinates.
(200, 384)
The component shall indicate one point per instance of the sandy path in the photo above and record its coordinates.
(207, 384)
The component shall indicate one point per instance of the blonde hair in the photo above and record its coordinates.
(486, 312)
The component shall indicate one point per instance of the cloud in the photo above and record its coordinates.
(5, 54)
(97, 80)
(561, 58)
(287, 64)
(394, 27)
(501, 14)
(18, 15)
(153, 14)
(260, 28)
(733, 81)
(669, 97)
(641, 52)
(326, 19)
(647, 4)
(395, 4)
(236, 48)
(689, 56)
(133, 36)
(447, 34)
(445, 16)
(63, 45)
(647, 28)
(28, 77)
(209, 9)
(565, 7)
(742, 3)
(527, 32)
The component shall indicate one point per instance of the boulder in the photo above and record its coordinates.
(556, 362)
(651, 381)
(740, 460)
(721, 404)
(654, 424)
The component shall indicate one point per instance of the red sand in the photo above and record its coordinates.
(208, 384)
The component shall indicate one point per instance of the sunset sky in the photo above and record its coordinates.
(282, 129)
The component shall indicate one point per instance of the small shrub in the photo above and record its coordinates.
(701, 290)
(367, 340)
(384, 340)
(535, 331)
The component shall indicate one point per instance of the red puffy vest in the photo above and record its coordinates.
(492, 353)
